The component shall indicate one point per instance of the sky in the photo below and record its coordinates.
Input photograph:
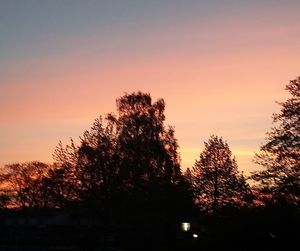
(219, 65)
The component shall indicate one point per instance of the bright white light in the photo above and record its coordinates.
(195, 235)
(185, 226)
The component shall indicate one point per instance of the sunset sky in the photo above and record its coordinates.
(219, 65)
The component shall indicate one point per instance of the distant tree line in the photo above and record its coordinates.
(128, 164)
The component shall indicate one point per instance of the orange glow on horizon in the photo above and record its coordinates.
(219, 74)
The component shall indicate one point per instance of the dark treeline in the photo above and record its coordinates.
(124, 181)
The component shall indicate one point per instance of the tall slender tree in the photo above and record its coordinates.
(147, 149)
(215, 178)
(149, 163)
(280, 155)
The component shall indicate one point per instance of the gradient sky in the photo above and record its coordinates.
(219, 65)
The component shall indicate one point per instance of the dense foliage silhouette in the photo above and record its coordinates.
(280, 155)
(122, 188)
(215, 179)
(22, 184)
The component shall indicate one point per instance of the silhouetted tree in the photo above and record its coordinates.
(146, 148)
(149, 164)
(23, 182)
(128, 152)
(280, 155)
(126, 166)
(85, 173)
(63, 184)
(215, 178)
(97, 162)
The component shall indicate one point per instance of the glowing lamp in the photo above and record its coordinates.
(185, 226)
